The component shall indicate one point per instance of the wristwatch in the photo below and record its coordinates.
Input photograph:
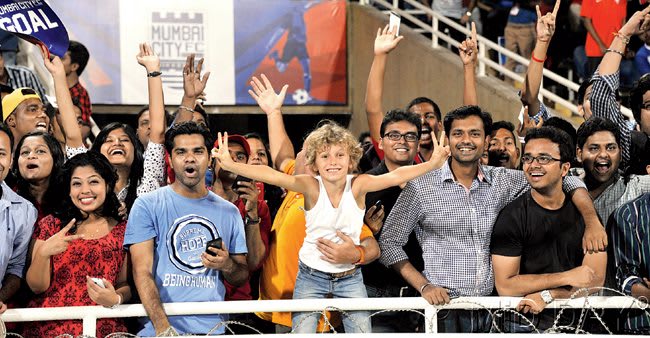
(250, 221)
(154, 74)
(547, 297)
(468, 13)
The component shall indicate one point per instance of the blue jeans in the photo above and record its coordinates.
(314, 284)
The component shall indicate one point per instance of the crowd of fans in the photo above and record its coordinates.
(422, 205)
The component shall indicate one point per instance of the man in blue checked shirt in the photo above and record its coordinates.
(17, 217)
(454, 209)
(630, 233)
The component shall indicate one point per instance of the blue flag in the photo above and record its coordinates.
(36, 22)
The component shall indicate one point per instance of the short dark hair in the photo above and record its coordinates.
(636, 98)
(362, 136)
(564, 125)
(4, 128)
(141, 111)
(397, 115)
(557, 136)
(507, 125)
(67, 210)
(199, 109)
(582, 91)
(422, 99)
(79, 55)
(186, 128)
(594, 125)
(464, 112)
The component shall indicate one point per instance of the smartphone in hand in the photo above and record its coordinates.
(215, 243)
(394, 22)
(240, 178)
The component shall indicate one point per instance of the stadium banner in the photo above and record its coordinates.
(36, 22)
(298, 42)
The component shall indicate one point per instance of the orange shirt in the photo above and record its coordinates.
(280, 268)
(607, 17)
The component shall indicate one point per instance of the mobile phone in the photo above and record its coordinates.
(240, 178)
(377, 206)
(394, 22)
(215, 243)
(98, 281)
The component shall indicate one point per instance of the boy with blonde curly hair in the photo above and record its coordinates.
(334, 202)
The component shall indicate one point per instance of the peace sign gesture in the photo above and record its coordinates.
(440, 150)
(59, 242)
(221, 153)
(546, 24)
(468, 49)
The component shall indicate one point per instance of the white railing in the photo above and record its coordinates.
(483, 45)
(90, 314)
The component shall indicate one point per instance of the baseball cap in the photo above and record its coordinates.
(11, 101)
(239, 140)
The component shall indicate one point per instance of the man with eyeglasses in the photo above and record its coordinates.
(400, 133)
(23, 112)
(536, 242)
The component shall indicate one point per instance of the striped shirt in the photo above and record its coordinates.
(455, 225)
(630, 235)
(604, 105)
(20, 76)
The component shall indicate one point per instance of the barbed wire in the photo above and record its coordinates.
(493, 315)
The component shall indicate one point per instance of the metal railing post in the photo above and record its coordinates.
(430, 314)
(482, 52)
(434, 33)
(90, 325)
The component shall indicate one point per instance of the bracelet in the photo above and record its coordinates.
(624, 38)
(154, 74)
(119, 302)
(532, 57)
(362, 255)
(609, 50)
(423, 287)
(186, 108)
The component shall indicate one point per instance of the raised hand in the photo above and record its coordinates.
(265, 95)
(468, 49)
(528, 123)
(147, 58)
(221, 153)
(440, 150)
(52, 62)
(104, 296)
(639, 22)
(193, 83)
(386, 40)
(59, 242)
(546, 24)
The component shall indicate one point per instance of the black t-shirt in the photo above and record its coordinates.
(548, 241)
(375, 273)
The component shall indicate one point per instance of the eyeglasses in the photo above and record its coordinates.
(395, 136)
(541, 159)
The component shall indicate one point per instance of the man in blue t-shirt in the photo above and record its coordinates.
(167, 234)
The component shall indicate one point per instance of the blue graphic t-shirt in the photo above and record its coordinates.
(181, 228)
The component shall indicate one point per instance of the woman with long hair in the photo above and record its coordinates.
(37, 161)
(77, 257)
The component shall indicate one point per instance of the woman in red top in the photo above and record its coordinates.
(82, 240)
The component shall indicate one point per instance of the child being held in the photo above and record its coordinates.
(334, 201)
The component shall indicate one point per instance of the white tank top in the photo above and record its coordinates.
(323, 220)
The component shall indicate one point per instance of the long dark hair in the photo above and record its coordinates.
(22, 185)
(137, 167)
(67, 210)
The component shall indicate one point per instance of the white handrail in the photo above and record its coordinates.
(89, 314)
(483, 59)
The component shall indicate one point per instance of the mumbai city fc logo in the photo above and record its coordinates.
(186, 241)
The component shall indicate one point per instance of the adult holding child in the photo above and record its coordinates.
(334, 203)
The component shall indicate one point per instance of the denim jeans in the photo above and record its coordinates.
(314, 284)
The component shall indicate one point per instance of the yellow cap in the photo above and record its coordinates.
(11, 101)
